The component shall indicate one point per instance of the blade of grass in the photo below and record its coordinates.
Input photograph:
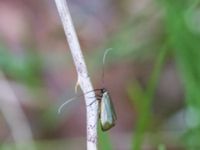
(185, 43)
(144, 117)
(104, 140)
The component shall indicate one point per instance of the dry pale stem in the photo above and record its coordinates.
(83, 77)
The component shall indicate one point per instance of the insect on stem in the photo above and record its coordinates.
(107, 114)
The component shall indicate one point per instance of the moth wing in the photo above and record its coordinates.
(107, 112)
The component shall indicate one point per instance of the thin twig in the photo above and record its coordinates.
(83, 78)
(15, 117)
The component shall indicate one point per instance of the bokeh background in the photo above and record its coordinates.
(152, 73)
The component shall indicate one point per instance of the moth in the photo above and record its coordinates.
(107, 114)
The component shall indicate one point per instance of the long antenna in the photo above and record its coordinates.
(104, 58)
(74, 98)
(66, 102)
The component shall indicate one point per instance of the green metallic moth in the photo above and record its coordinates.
(107, 114)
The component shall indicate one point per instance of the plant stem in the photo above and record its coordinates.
(83, 77)
(15, 117)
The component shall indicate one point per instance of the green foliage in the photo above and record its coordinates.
(142, 99)
(161, 147)
(184, 36)
(104, 140)
(24, 68)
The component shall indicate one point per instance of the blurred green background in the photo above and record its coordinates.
(152, 74)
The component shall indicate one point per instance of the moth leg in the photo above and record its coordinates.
(98, 99)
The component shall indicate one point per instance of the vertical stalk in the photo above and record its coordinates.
(83, 77)
(15, 117)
